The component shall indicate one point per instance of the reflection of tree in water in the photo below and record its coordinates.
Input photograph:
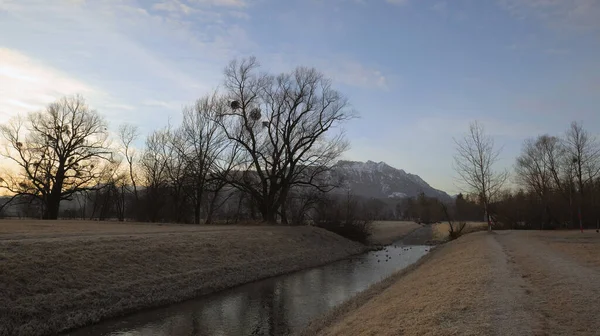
(276, 306)
(271, 317)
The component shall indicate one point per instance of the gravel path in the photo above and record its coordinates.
(562, 294)
(506, 294)
(503, 283)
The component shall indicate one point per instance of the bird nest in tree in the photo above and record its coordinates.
(255, 113)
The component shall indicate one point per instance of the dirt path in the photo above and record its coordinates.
(504, 283)
(506, 297)
(563, 295)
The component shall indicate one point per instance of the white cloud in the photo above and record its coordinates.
(169, 105)
(342, 69)
(571, 15)
(173, 6)
(123, 107)
(27, 84)
(353, 73)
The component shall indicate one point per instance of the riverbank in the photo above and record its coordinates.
(388, 232)
(501, 283)
(56, 276)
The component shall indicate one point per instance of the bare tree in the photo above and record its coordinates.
(154, 165)
(107, 199)
(202, 144)
(536, 168)
(127, 135)
(584, 154)
(288, 129)
(57, 151)
(474, 163)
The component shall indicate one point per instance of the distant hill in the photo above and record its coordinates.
(380, 180)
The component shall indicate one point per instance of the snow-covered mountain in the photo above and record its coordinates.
(379, 180)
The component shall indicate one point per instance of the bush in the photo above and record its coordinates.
(356, 230)
(343, 217)
(456, 230)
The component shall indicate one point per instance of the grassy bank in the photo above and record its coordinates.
(60, 275)
(424, 299)
(388, 232)
(441, 231)
(499, 283)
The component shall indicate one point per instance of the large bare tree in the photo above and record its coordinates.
(57, 152)
(538, 169)
(288, 129)
(474, 163)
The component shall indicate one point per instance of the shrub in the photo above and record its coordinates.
(343, 217)
(358, 230)
(456, 229)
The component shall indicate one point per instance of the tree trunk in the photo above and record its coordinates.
(196, 213)
(284, 219)
(269, 214)
(487, 216)
(270, 217)
(211, 208)
(52, 208)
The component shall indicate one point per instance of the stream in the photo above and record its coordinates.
(275, 306)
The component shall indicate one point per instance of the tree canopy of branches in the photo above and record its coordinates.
(204, 149)
(474, 163)
(57, 152)
(288, 131)
(556, 169)
(536, 168)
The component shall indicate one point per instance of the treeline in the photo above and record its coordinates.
(559, 178)
(261, 148)
(557, 181)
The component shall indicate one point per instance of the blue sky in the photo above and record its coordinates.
(417, 71)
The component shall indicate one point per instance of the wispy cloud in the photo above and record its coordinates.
(342, 69)
(27, 84)
(170, 105)
(571, 15)
(354, 73)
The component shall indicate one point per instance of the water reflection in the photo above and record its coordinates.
(275, 306)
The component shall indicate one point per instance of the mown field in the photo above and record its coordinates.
(60, 275)
(57, 275)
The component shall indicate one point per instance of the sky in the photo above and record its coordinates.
(417, 71)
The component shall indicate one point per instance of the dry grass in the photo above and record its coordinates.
(582, 247)
(441, 231)
(387, 232)
(428, 300)
(500, 283)
(59, 275)
(22, 229)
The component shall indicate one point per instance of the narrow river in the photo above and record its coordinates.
(275, 306)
